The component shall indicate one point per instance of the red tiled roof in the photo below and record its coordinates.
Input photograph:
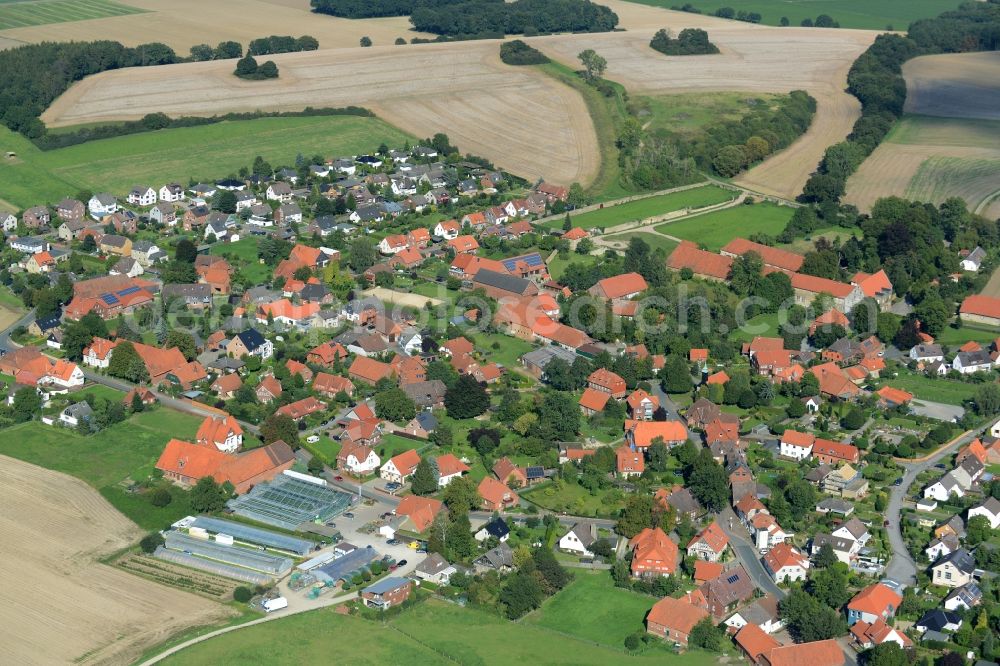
(406, 462)
(838, 450)
(331, 384)
(638, 396)
(195, 461)
(328, 352)
(676, 614)
(688, 255)
(894, 395)
(833, 381)
(620, 286)
(772, 256)
(369, 370)
(628, 461)
(607, 380)
(876, 599)
(576, 233)
(448, 464)
(420, 510)
(215, 430)
(705, 570)
(784, 555)
(713, 536)
(719, 377)
(158, 361)
(817, 285)
(796, 438)
(872, 285)
(984, 306)
(303, 407)
(493, 491)
(755, 642)
(644, 432)
(653, 550)
(816, 653)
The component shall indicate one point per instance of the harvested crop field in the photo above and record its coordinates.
(195, 22)
(515, 116)
(61, 605)
(754, 58)
(518, 117)
(955, 85)
(952, 148)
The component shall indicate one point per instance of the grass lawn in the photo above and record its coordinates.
(765, 325)
(832, 234)
(508, 351)
(126, 450)
(848, 13)
(688, 113)
(575, 499)
(204, 152)
(592, 608)
(956, 337)
(648, 207)
(713, 230)
(245, 253)
(432, 633)
(391, 445)
(558, 265)
(98, 391)
(655, 241)
(934, 389)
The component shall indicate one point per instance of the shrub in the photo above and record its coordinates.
(517, 52)
(242, 594)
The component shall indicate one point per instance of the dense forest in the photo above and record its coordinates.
(876, 80)
(477, 18)
(690, 41)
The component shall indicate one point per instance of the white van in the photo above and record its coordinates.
(272, 605)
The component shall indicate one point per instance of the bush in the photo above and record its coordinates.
(517, 52)
(690, 41)
(242, 594)
(150, 542)
(160, 497)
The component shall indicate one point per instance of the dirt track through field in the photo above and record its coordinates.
(514, 116)
(60, 605)
(949, 150)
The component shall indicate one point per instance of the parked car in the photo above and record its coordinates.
(312, 439)
(401, 563)
(348, 514)
(338, 478)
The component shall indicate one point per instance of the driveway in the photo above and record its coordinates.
(937, 410)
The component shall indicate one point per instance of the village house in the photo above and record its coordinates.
(653, 553)
(786, 564)
(877, 601)
(674, 619)
(357, 459)
(400, 467)
(185, 463)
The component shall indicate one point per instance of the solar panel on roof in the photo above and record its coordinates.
(733, 578)
(110, 299)
(530, 259)
(129, 291)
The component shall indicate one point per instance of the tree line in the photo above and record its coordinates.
(480, 18)
(517, 52)
(156, 121)
(34, 75)
(876, 79)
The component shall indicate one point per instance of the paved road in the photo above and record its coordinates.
(901, 567)
(937, 410)
(5, 341)
(746, 552)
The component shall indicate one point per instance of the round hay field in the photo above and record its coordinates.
(63, 606)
